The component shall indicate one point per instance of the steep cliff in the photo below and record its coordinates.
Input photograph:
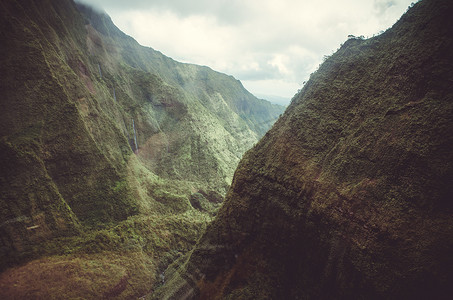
(211, 109)
(350, 194)
(106, 145)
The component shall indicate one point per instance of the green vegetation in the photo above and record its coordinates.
(348, 196)
(90, 265)
(114, 157)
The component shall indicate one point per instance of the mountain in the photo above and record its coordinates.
(209, 105)
(107, 147)
(349, 195)
(274, 99)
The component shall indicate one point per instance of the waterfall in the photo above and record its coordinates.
(135, 135)
(127, 133)
(100, 72)
(114, 94)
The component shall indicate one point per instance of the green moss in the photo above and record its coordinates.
(347, 192)
(72, 181)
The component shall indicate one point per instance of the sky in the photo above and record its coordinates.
(271, 46)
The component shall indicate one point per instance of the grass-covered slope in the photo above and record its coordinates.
(202, 82)
(104, 154)
(194, 123)
(350, 194)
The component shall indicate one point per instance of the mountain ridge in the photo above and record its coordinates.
(349, 194)
(103, 151)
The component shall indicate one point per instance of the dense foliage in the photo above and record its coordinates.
(349, 195)
(103, 145)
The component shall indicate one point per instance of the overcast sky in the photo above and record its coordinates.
(272, 46)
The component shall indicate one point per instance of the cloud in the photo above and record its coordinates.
(228, 10)
(381, 6)
(270, 45)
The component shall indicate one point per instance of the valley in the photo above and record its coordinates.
(125, 174)
(114, 156)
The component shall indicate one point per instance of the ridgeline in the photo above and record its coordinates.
(114, 157)
(350, 194)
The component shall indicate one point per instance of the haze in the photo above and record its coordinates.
(272, 46)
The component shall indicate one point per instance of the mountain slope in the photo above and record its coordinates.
(220, 98)
(349, 195)
(105, 143)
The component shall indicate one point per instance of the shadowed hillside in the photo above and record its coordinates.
(350, 194)
(109, 150)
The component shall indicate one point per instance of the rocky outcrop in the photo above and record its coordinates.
(350, 194)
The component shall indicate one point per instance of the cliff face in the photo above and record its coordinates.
(350, 194)
(212, 110)
(100, 133)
